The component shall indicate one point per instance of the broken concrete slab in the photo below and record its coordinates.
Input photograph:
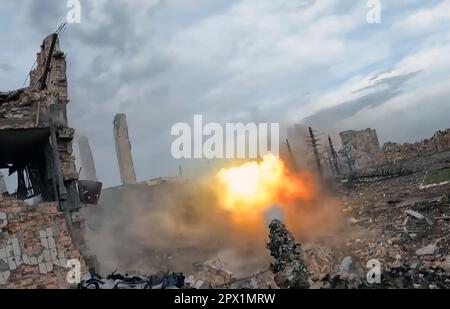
(419, 216)
(428, 250)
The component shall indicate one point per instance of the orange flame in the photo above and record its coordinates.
(251, 189)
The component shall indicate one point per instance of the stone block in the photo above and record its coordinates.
(25, 259)
(47, 256)
(42, 268)
(11, 263)
(51, 243)
(44, 242)
(33, 260)
(54, 254)
(49, 232)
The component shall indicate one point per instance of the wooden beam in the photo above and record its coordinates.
(48, 62)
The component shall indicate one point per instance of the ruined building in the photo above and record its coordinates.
(440, 141)
(87, 159)
(36, 145)
(361, 149)
(123, 150)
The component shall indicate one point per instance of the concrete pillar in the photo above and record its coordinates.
(123, 150)
(3, 188)
(87, 159)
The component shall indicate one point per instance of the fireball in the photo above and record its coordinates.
(249, 190)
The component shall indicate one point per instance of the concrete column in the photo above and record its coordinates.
(123, 149)
(87, 159)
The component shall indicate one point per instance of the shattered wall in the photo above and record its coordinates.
(398, 152)
(34, 246)
(362, 148)
(36, 139)
(40, 106)
(36, 145)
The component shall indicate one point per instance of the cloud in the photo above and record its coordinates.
(5, 67)
(161, 62)
(374, 95)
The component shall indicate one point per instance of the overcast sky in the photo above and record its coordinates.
(290, 61)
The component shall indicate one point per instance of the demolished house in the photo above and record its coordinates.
(360, 149)
(439, 142)
(36, 145)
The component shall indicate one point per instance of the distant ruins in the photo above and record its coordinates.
(123, 150)
(36, 145)
(87, 159)
(361, 148)
(397, 152)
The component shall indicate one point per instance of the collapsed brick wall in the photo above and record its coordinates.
(42, 107)
(398, 152)
(33, 107)
(35, 246)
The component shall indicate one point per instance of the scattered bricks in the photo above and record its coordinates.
(51, 208)
(27, 282)
(30, 270)
(4, 277)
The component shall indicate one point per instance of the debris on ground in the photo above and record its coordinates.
(92, 280)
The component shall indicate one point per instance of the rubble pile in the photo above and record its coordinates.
(34, 246)
(398, 152)
(404, 277)
(212, 274)
(420, 271)
(400, 220)
(288, 266)
(397, 222)
(162, 280)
